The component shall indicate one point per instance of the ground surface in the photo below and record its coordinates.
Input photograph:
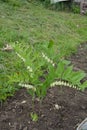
(70, 110)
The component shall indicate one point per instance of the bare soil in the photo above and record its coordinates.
(62, 109)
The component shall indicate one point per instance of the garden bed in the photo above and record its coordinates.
(62, 109)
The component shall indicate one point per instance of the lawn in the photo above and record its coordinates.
(33, 23)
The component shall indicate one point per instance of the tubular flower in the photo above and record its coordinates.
(48, 59)
(63, 83)
(30, 69)
(20, 56)
(28, 86)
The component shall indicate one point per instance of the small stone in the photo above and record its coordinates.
(23, 102)
(29, 122)
(42, 115)
(57, 107)
(9, 123)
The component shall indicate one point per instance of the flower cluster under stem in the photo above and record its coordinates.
(62, 83)
(48, 59)
(28, 86)
(28, 67)
(20, 56)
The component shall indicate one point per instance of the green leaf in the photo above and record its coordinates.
(76, 77)
(66, 62)
(60, 69)
(83, 86)
(51, 43)
(67, 73)
(34, 117)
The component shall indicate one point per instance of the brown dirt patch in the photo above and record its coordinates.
(71, 103)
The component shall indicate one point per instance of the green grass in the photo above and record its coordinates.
(32, 23)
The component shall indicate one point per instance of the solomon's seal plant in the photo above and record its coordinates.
(37, 71)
